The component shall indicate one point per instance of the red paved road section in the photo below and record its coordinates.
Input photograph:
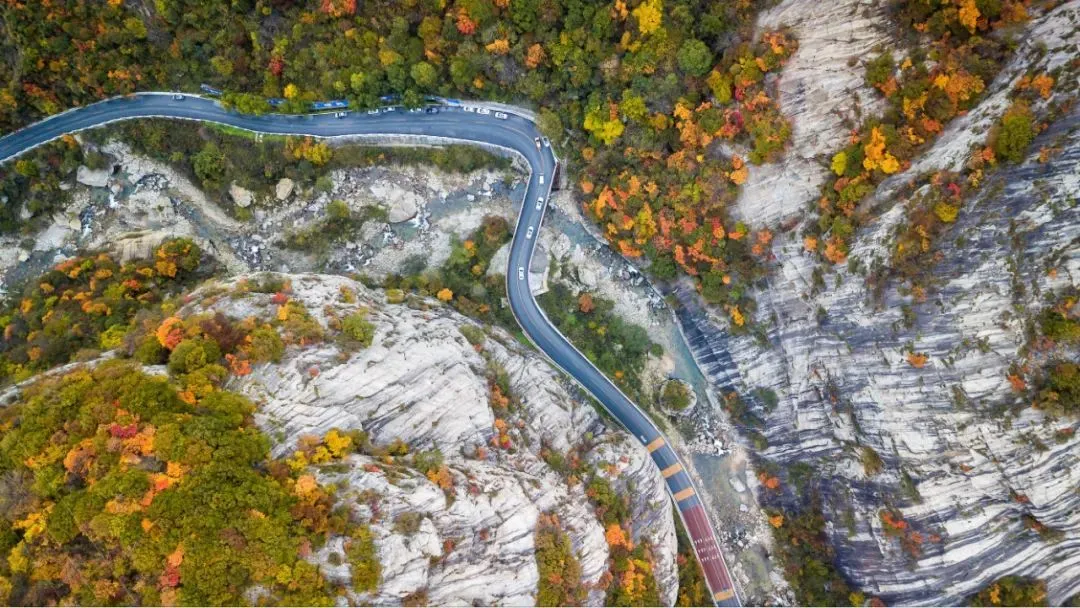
(708, 553)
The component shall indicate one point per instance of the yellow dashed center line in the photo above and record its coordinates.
(655, 444)
(673, 469)
(684, 494)
(723, 595)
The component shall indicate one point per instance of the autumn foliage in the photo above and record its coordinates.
(558, 566)
(923, 96)
(128, 472)
(87, 303)
(669, 204)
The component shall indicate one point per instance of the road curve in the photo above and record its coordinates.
(512, 132)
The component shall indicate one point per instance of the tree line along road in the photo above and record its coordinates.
(508, 131)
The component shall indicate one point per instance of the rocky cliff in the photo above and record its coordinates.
(422, 381)
(966, 464)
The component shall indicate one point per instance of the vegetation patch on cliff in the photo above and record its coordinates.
(1012, 591)
(955, 55)
(86, 304)
(121, 491)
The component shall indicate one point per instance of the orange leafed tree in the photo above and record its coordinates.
(585, 303)
(465, 25)
(917, 360)
(441, 477)
(338, 8)
(169, 333)
(616, 536)
(535, 56)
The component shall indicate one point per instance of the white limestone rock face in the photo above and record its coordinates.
(843, 382)
(820, 87)
(421, 381)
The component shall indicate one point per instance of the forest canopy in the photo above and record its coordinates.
(100, 469)
(645, 97)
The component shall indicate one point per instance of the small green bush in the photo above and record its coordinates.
(473, 334)
(358, 329)
(1059, 389)
(871, 461)
(1058, 327)
(407, 523)
(149, 351)
(675, 395)
(113, 337)
(879, 69)
(1014, 134)
(266, 345)
(366, 569)
(193, 353)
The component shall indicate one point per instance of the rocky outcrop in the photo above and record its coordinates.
(966, 474)
(421, 381)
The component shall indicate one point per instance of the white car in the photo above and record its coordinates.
(539, 203)
(375, 111)
(178, 97)
(547, 143)
(483, 111)
(501, 115)
(470, 109)
(529, 233)
(341, 114)
(536, 140)
(521, 273)
(541, 179)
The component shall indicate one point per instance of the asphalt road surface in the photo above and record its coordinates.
(513, 132)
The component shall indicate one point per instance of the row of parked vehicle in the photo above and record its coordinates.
(485, 112)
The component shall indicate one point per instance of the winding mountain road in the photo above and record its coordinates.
(512, 132)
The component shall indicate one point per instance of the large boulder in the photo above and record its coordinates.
(284, 188)
(95, 178)
(402, 209)
(401, 205)
(140, 245)
(241, 196)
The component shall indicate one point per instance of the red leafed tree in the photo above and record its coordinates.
(339, 8)
(465, 25)
(277, 65)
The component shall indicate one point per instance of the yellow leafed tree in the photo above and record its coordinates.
(969, 15)
(499, 47)
(337, 443)
(876, 155)
(649, 15)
